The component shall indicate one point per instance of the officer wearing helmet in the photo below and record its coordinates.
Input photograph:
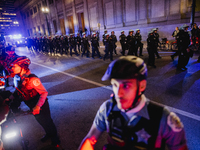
(104, 36)
(85, 45)
(156, 38)
(131, 43)
(108, 48)
(95, 45)
(33, 93)
(123, 40)
(139, 44)
(78, 42)
(131, 120)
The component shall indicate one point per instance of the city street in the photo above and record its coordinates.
(76, 92)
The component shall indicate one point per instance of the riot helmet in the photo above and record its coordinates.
(22, 61)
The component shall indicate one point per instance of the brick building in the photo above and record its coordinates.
(72, 16)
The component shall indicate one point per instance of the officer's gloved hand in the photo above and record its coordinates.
(36, 110)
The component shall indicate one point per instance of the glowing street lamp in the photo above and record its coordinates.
(45, 10)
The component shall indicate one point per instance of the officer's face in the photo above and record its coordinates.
(16, 69)
(125, 91)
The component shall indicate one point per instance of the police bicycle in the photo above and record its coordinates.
(164, 44)
(12, 135)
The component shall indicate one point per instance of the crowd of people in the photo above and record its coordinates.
(128, 115)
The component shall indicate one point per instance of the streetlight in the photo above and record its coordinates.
(45, 10)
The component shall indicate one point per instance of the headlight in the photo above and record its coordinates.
(18, 42)
(10, 135)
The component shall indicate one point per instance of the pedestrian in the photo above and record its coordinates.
(123, 40)
(85, 45)
(95, 45)
(139, 44)
(113, 40)
(131, 120)
(32, 92)
(183, 42)
(131, 43)
(156, 37)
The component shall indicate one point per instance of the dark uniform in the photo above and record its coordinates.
(156, 38)
(72, 44)
(78, 42)
(104, 36)
(85, 46)
(123, 40)
(95, 46)
(183, 42)
(32, 92)
(151, 47)
(131, 43)
(108, 48)
(139, 44)
(113, 40)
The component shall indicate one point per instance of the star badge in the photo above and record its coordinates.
(143, 136)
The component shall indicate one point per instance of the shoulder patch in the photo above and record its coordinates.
(36, 82)
(174, 122)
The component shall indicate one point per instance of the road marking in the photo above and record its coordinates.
(181, 112)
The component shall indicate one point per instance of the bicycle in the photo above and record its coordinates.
(12, 135)
(174, 46)
(164, 44)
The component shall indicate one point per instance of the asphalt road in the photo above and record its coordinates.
(76, 92)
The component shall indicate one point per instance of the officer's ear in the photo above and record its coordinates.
(142, 86)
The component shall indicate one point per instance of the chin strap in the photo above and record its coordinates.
(137, 98)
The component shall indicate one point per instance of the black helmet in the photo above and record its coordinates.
(10, 49)
(126, 67)
(22, 61)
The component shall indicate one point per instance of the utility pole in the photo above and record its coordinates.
(192, 13)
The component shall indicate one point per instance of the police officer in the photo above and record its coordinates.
(104, 36)
(131, 120)
(183, 42)
(78, 42)
(72, 44)
(108, 48)
(32, 92)
(151, 47)
(156, 37)
(95, 45)
(123, 40)
(113, 40)
(66, 44)
(139, 44)
(131, 43)
(174, 34)
(85, 45)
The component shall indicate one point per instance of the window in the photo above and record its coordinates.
(35, 9)
(27, 14)
(50, 1)
(31, 12)
(55, 25)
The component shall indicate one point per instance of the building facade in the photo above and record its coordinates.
(72, 16)
(8, 19)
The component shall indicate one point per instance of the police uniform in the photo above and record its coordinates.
(32, 92)
(144, 127)
(139, 44)
(123, 40)
(151, 48)
(156, 38)
(95, 45)
(131, 43)
(78, 42)
(108, 47)
(113, 40)
(85, 46)
(72, 44)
